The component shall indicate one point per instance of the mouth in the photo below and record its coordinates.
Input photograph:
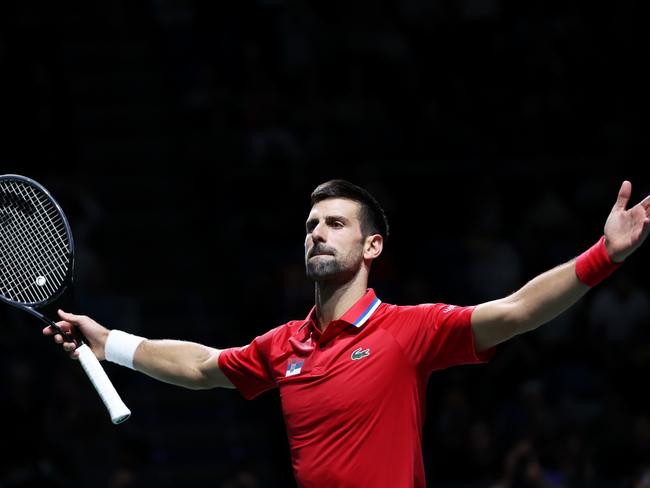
(320, 254)
(314, 254)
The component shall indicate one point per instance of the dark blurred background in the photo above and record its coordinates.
(183, 138)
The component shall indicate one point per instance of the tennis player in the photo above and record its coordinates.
(352, 375)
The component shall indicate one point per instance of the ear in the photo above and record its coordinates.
(373, 246)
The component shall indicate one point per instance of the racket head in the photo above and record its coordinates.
(36, 244)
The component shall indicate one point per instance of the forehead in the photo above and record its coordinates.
(341, 207)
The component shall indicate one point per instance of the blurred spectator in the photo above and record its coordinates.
(643, 479)
(524, 470)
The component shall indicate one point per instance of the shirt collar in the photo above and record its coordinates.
(358, 314)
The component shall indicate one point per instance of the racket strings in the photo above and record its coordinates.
(33, 243)
(56, 228)
(13, 258)
(31, 266)
(38, 249)
(19, 283)
(57, 237)
(22, 250)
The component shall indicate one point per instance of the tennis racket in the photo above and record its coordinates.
(36, 267)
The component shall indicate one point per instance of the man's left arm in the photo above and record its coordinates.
(551, 293)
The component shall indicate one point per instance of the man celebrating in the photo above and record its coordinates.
(352, 375)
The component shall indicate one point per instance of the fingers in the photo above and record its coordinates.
(61, 334)
(70, 322)
(68, 341)
(645, 203)
(63, 326)
(624, 194)
(69, 317)
(67, 345)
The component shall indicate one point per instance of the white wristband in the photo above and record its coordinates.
(120, 347)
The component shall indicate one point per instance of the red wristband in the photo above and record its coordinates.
(594, 265)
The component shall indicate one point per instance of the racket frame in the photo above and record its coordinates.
(118, 411)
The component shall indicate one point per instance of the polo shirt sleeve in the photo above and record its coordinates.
(436, 336)
(248, 368)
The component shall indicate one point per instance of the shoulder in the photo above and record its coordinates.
(281, 333)
(418, 309)
(423, 312)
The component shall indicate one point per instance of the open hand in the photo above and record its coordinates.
(626, 229)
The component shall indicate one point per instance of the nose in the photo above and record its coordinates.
(318, 233)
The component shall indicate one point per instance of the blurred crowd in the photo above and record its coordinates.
(183, 139)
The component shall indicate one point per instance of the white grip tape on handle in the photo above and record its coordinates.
(118, 411)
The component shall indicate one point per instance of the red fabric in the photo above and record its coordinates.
(354, 408)
(594, 265)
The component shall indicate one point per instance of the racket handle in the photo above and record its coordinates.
(118, 411)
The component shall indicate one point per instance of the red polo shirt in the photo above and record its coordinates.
(353, 398)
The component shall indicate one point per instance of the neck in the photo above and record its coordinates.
(334, 299)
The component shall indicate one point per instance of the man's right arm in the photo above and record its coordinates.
(181, 363)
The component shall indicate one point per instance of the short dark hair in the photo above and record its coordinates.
(372, 216)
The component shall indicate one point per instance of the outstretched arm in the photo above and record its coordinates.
(552, 292)
(181, 363)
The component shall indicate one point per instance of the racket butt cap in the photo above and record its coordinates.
(121, 417)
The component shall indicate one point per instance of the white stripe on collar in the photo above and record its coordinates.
(367, 313)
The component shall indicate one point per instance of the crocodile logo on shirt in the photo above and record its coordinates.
(360, 354)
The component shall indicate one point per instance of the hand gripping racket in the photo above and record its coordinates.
(36, 266)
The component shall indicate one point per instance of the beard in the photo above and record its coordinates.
(328, 266)
(324, 268)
